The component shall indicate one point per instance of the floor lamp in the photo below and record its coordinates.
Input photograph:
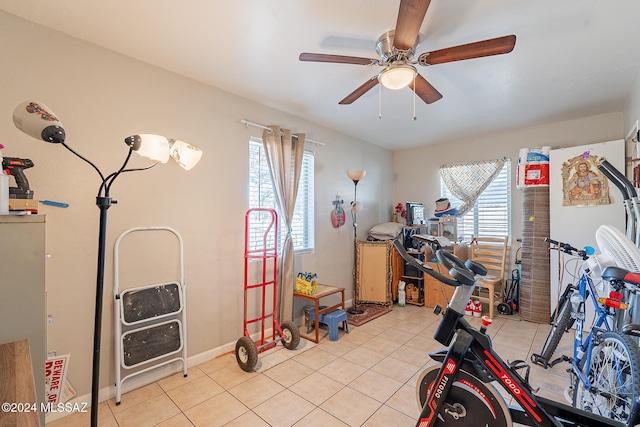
(356, 176)
(37, 121)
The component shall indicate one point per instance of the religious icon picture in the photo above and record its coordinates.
(582, 182)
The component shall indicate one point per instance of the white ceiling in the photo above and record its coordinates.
(573, 58)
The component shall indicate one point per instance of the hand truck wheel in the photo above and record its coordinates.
(504, 308)
(290, 335)
(246, 354)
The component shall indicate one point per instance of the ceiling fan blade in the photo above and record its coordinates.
(340, 59)
(497, 46)
(424, 90)
(360, 91)
(410, 17)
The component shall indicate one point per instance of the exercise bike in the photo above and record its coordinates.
(459, 391)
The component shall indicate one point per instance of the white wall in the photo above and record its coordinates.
(101, 98)
(416, 174)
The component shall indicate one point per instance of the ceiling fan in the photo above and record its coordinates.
(397, 47)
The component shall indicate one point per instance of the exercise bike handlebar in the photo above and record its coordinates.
(619, 180)
(622, 187)
(422, 266)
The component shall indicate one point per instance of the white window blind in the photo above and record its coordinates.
(491, 214)
(261, 195)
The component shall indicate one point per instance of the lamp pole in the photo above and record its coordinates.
(103, 204)
(353, 207)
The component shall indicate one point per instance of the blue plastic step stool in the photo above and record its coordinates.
(332, 319)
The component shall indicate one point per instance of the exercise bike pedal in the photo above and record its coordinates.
(517, 365)
(545, 363)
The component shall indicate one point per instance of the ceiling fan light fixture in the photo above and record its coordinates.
(397, 76)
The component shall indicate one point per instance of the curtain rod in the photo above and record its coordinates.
(258, 125)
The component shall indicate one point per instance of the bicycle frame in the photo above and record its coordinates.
(603, 310)
(586, 289)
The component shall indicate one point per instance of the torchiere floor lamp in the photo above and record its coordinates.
(356, 176)
(37, 121)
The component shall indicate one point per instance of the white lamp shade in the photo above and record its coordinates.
(356, 174)
(356, 207)
(397, 77)
(154, 147)
(185, 154)
(38, 121)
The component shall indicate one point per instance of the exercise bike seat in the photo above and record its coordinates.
(621, 275)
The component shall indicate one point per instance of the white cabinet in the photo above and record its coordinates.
(445, 226)
(22, 286)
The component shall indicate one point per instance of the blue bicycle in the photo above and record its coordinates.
(605, 362)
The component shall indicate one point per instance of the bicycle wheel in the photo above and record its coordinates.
(560, 326)
(615, 361)
(469, 403)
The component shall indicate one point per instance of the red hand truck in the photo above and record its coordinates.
(266, 253)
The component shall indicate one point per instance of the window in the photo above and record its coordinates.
(491, 214)
(261, 195)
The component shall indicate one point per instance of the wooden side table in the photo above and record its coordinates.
(323, 291)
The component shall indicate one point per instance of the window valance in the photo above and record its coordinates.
(467, 181)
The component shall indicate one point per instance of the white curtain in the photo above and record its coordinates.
(467, 181)
(284, 157)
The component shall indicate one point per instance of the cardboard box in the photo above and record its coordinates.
(305, 286)
(23, 205)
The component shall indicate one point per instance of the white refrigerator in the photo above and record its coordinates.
(576, 225)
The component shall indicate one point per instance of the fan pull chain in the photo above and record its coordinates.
(380, 101)
(414, 98)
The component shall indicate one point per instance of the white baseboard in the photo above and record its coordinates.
(152, 376)
(146, 378)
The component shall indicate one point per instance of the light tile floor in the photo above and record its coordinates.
(366, 378)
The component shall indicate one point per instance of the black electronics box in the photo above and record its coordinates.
(415, 213)
(411, 270)
(407, 240)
